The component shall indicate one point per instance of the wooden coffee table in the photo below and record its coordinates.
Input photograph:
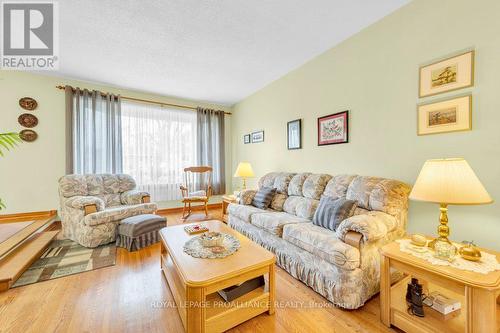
(194, 282)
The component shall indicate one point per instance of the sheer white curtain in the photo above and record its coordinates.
(158, 143)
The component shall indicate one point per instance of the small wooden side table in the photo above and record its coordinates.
(226, 200)
(476, 292)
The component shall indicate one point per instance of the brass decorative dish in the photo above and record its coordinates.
(27, 120)
(28, 135)
(28, 103)
(470, 252)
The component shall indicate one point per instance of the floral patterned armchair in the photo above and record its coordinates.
(92, 206)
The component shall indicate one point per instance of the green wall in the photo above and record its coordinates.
(374, 74)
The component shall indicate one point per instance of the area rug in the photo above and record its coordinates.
(65, 257)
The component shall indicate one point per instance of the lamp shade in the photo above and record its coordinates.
(449, 181)
(244, 169)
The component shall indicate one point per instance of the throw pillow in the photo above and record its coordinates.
(331, 212)
(263, 197)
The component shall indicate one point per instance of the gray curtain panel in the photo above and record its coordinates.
(94, 134)
(210, 146)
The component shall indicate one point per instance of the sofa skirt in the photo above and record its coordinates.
(348, 289)
(139, 242)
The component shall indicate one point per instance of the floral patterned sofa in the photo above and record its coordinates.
(341, 265)
(93, 205)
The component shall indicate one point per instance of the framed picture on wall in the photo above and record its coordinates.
(450, 115)
(246, 138)
(333, 129)
(294, 134)
(258, 137)
(446, 75)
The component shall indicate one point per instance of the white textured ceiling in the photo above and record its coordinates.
(210, 50)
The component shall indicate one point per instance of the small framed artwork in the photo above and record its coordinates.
(451, 115)
(294, 134)
(246, 138)
(446, 75)
(258, 137)
(333, 129)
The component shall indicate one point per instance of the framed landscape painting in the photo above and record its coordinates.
(451, 115)
(294, 135)
(447, 75)
(333, 129)
(258, 137)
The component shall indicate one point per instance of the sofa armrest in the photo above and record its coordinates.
(118, 213)
(89, 204)
(373, 226)
(354, 239)
(135, 197)
(246, 197)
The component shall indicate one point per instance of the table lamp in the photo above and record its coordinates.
(244, 170)
(448, 182)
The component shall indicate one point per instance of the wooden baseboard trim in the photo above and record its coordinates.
(29, 215)
(193, 208)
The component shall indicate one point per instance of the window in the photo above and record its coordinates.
(158, 143)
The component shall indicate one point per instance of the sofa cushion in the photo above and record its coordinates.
(95, 185)
(263, 197)
(282, 181)
(246, 196)
(274, 222)
(278, 202)
(331, 212)
(338, 185)
(72, 185)
(323, 243)
(111, 200)
(267, 180)
(127, 183)
(296, 183)
(300, 206)
(374, 193)
(314, 185)
(243, 212)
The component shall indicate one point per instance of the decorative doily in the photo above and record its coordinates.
(194, 248)
(487, 264)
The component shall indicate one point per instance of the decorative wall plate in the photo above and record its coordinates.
(28, 135)
(28, 103)
(28, 120)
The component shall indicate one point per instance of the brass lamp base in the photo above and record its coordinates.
(441, 245)
(433, 242)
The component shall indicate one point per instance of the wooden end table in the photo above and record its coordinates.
(194, 282)
(476, 292)
(226, 200)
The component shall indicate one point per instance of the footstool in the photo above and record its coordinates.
(139, 231)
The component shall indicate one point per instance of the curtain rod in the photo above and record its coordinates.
(152, 102)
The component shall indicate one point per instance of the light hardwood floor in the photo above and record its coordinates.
(131, 297)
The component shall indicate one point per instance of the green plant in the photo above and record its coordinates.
(7, 142)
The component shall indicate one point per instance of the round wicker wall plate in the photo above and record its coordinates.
(28, 103)
(28, 135)
(28, 120)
